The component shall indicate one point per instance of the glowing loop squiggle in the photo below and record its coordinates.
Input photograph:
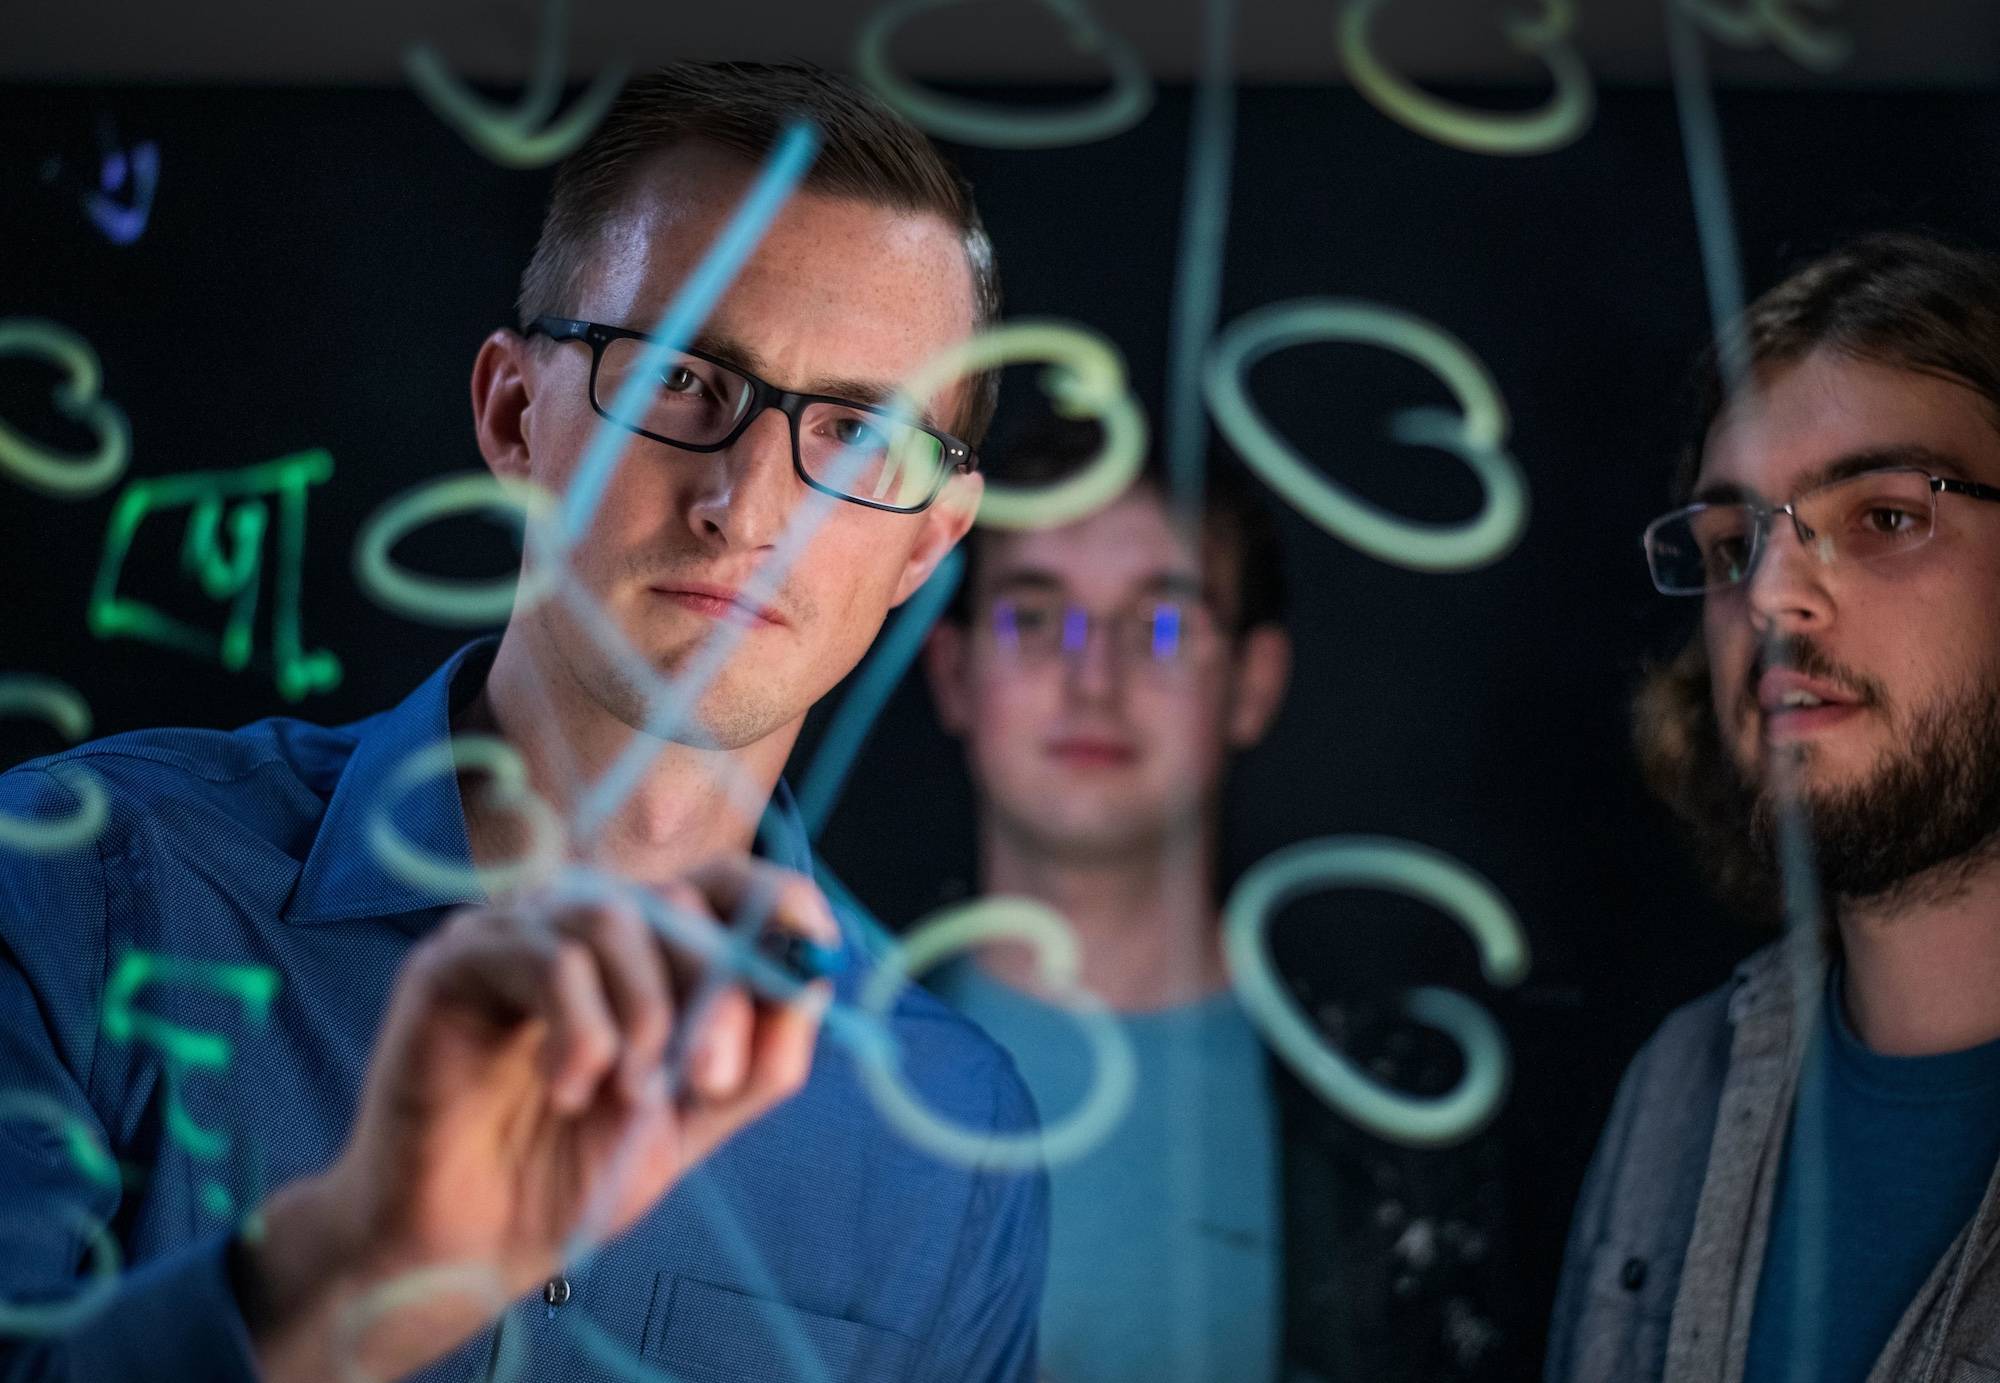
(954, 930)
(60, 706)
(478, 1280)
(1477, 437)
(60, 1317)
(1821, 50)
(1566, 115)
(1429, 877)
(506, 787)
(439, 600)
(509, 137)
(1086, 380)
(999, 127)
(65, 475)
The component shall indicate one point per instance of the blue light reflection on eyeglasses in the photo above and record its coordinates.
(1166, 632)
(1076, 630)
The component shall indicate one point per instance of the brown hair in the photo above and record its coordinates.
(867, 152)
(1912, 301)
(1917, 302)
(1233, 513)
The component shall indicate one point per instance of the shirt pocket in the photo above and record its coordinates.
(703, 1333)
(1627, 1308)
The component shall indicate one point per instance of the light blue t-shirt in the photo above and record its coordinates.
(1164, 1245)
(1885, 1163)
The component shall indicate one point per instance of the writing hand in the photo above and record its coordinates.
(519, 1068)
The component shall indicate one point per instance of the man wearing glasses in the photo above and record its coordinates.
(1797, 1179)
(1102, 676)
(474, 1100)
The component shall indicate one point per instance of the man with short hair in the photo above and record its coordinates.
(1797, 1181)
(1103, 674)
(280, 907)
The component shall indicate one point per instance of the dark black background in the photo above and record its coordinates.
(321, 265)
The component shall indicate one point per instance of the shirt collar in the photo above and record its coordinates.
(344, 877)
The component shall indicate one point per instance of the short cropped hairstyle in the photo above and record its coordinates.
(867, 152)
(1914, 302)
(1234, 515)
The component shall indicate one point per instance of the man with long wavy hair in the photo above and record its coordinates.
(1798, 1177)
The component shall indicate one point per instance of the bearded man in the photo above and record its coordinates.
(1797, 1181)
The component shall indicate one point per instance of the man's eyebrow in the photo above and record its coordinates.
(1185, 585)
(1160, 585)
(869, 391)
(1842, 467)
(1033, 579)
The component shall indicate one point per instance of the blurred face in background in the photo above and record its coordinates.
(1100, 685)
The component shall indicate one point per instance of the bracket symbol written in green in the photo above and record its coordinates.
(223, 550)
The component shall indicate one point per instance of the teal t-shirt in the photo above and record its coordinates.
(1886, 1162)
(1164, 1246)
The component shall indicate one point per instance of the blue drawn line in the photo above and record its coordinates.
(775, 183)
(1708, 178)
(1197, 301)
(885, 667)
(1198, 279)
(876, 942)
(619, 781)
(1798, 871)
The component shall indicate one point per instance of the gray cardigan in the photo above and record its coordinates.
(1661, 1271)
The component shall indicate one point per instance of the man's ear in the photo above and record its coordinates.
(945, 654)
(500, 404)
(945, 523)
(1263, 669)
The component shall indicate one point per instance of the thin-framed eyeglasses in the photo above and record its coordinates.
(1870, 517)
(1164, 634)
(859, 452)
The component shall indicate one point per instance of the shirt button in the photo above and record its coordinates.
(555, 1291)
(1633, 1275)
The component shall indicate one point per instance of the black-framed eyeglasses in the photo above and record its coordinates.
(1867, 517)
(853, 451)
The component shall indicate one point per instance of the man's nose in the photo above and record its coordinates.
(1787, 590)
(1094, 670)
(744, 494)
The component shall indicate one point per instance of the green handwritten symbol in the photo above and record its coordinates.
(511, 138)
(60, 474)
(229, 518)
(1566, 115)
(999, 127)
(81, 1138)
(1420, 873)
(185, 1050)
(1754, 22)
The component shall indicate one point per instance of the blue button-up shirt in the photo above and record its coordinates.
(188, 997)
